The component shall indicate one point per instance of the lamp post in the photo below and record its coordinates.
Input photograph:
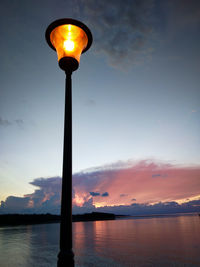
(70, 38)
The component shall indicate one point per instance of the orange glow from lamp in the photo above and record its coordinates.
(70, 38)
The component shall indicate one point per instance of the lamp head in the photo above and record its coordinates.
(70, 38)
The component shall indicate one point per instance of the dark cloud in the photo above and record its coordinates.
(156, 175)
(159, 175)
(47, 184)
(4, 122)
(90, 102)
(159, 208)
(94, 194)
(106, 194)
(44, 199)
(15, 204)
(123, 195)
(133, 199)
(47, 197)
(122, 29)
(19, 122)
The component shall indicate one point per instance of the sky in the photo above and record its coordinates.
(136, 106)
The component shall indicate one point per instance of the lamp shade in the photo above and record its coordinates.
(70, 38)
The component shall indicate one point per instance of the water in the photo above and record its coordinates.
(161, 242)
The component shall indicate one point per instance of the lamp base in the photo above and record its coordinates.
(68, 64)
(65, 259)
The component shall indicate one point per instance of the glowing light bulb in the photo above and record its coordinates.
(69, 45)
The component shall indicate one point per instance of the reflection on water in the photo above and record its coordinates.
(31, 245)
(169, 241)
(173, 241)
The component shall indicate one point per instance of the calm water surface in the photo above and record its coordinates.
(165, 242)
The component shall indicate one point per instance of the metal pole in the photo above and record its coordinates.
(66, 255)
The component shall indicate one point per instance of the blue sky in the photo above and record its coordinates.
(135, 95)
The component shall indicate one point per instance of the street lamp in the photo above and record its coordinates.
(70, 38)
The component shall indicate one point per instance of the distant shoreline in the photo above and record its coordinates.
(160, 215)
(28, 219)
(25, 219)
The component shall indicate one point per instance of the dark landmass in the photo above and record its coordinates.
(94, 216)
(24, 219)
(19, 219)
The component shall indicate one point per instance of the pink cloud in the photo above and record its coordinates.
(147, 182)
(124, 188)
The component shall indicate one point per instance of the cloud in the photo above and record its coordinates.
(47, 197)
(90, 102)
(94, 194)
(44, 199)
(122, 29)
(19, 122)
(159, 175)
(156, 175)
(179, 191)
(4, 122)
(87, 207)
(13, 203)
(174, 183)
(106, 194)
(159, 208)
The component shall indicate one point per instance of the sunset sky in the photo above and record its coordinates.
(136, 107)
